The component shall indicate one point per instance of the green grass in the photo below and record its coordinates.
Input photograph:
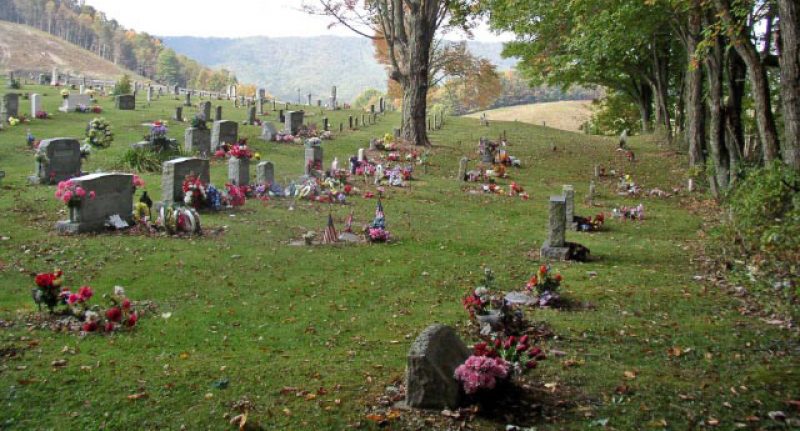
(343, 318)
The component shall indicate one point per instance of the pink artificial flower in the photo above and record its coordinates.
(132, 320)
(126, 304)
(80, 192)
(110, 327)
(67, 196)
(85, 293)
(138, 182)
(73, 298)
(92, 194)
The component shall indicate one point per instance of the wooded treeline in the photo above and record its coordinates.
(709, 74)
(89, 28)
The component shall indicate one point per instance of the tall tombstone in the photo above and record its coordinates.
(251, 116)
(268, 131)
(197, 141)
(262, 93)
(36, 104)
(313, 159)
(432, 362)
(10, 106)
(205, 110)
(592, 193)
(462, 168)
(224, 132)
(556, 247)
(265, 173)
(350, 121)
(309, 100)
(362, 155)
(82, 89)
(54, 77)
(188, 101)
(260, 106)
(319, 103)
(218, 113)
(58, 159)
(281, 117)
(174, 172)
(73, 101)
(239, 171)
(569, 211)
(149, 94)
(397, 133)
(113, 195)
(325, 124)
(274, 107)
(293, 121)
(126, 102)
(363, 120)
(372, 108)
(178, 114)
(42, 79)
(381, 105)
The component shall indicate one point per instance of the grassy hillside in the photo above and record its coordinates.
(657, 349)
(25, 48)
(566, 115)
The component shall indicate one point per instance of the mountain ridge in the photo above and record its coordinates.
(312, 65)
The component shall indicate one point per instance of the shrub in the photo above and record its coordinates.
(613, 114)
(144, 160)
(123, 86)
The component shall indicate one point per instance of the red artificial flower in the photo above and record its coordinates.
(543, 269)
(114, 314)
(85, 293)
(523, 339)
(89, 326)
(558, 278)
(73, 298)
(132, 320)
(531, 364)
(45, 280)
(109, 327)
(126, 304)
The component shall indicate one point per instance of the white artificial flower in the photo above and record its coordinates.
(91, 316)
(119, 291)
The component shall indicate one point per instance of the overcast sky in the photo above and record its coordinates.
(227, 18)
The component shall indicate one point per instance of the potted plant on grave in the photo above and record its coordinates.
(545, 285)
(158, 137)
(484, 307)
(376, 231)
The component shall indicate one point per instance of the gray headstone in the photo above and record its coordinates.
(113, 196)
(251, 116)
(224, 132)
(462, 168)
(592, 193)
(205, 110)
(362, 155)
(60, 160)
(432, 361)
(268, 131)
(42, 79)
(239, 171)
(325, 124)
(294, 121)
(149, 94)
(10, 106)
(197, 141)
(218, 113)
(36, 104)
(313, 159)
(188, 101)
(397, 133)
(54, 77)
(73, 101)
(569, 197)
(178, 114)
(174, 172)
(555, 246)
(126, 102)
(265, 173)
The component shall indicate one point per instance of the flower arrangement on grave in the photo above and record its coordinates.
(481, 373)
(240, 150)
(65, 94)
(194, 192)
(517, 190)
(287, 138)
(237, 195)
(48, 289)
(515, 351)
(179, 220)
(99, 133)
(480, 301)
(545, 285)
(588, 224)
(629, 213)
(158, 136)
(376, 231)
(71, 194)
(120, 313)
(14, 121)
(86, 151)
(42, 115)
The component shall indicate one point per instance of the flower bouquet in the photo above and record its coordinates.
(630, 213)
(72, 194)
(481, 373)
(99, 133)
(376, 231)
(194, 192)
(48, 290)
(179, 220)
(158, 137)
(239, 150)
(42, 115)
(545, 285)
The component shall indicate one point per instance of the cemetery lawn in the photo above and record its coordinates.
(250, 316)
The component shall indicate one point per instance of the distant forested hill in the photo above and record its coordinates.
(312, 65)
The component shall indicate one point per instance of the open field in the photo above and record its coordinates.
(263, 316)
(566, 115)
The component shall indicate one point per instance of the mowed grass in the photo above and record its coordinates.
(566, 115)
(264, 316)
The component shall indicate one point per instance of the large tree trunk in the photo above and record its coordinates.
(789, 59)
(716, 121)
(765, 120)
(643, 95)
(422, 29)
(736, 75)
(695, 111)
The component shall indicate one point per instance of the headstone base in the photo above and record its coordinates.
(554, 253)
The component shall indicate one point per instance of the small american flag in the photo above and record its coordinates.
(379, 210)
(330, 236)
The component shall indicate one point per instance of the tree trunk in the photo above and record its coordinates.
(789, 12)
(716, 121)
(737, 73)
(765, 120)
(644, 101)
(695, 111)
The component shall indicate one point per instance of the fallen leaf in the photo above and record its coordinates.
(137, 396)
(630, 375)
